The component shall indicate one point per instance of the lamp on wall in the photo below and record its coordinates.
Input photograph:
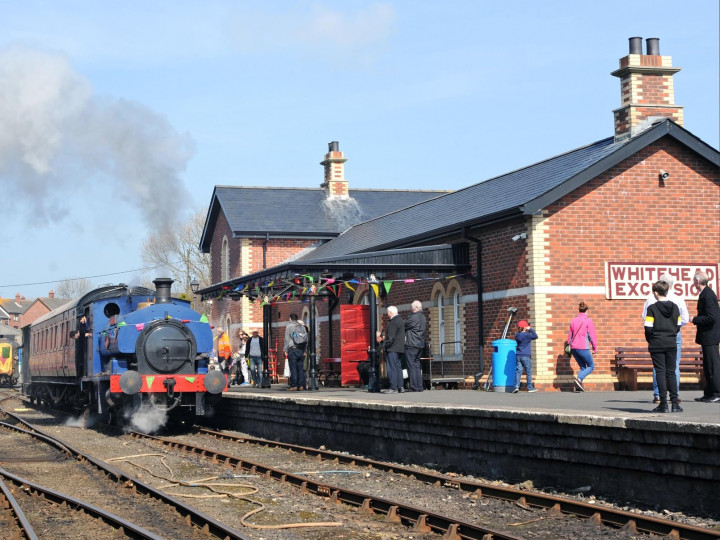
(663, 175)
(521, 236)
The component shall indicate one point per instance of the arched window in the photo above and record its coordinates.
(225, 260)
(441, 320)
(456, 321)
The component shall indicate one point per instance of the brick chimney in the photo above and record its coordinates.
(646, 88)
(335, 184)
(51, 294)
(17, 297)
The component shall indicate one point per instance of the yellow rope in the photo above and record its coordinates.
(203, 483)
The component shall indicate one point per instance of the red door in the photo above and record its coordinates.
(354, 341)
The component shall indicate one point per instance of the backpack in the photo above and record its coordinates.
(299, 335)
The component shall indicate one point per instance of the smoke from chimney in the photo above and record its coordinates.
(57, 136)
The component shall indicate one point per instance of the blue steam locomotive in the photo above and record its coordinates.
(118, 348)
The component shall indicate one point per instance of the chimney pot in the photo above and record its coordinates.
(17, 297)
(653, 46)
(636, 45)
(334, 146)
(51, 294)
(162, 290)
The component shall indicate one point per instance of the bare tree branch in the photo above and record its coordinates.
(73, 288)
(176, 250)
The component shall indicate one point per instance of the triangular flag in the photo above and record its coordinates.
(347, 284)
(375, 288)
(203, 318)
(387, 285)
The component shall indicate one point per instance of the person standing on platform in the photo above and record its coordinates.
(662, 323)
(524, 336)
(394, 343)
(415, 337)
(707, 321)
(581, 337)
(224, 352)
(684, 319)
(253, 351)
(242, 377)
(294, 348)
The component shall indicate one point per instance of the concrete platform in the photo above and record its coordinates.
(609, 441)
(619, 405)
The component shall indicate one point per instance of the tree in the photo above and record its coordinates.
(174, 248)
(73, 288)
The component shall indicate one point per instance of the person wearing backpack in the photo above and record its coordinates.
(294, 347)
(253, 352)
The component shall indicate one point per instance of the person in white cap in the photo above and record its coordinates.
(684, 319)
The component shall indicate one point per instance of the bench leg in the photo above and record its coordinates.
(633, 381)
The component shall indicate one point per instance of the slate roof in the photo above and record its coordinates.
(14, 308)
(521, 192)
(54, 303)
(301, 212)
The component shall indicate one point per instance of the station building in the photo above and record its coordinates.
(599, 223)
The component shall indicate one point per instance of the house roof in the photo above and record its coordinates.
(53, 303)
(15, 308)
(253, 211)
(522, 192)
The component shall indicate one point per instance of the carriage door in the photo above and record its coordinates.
(354, 340)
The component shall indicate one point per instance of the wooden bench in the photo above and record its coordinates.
(329, 370)
(631, 360)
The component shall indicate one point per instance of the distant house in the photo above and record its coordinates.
(599, 223)
(21, 311)
(249, 229)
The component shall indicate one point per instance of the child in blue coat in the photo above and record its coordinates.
(524, 336)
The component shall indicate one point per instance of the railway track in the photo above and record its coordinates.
(231, 452)
(419, 518)
(154, 513)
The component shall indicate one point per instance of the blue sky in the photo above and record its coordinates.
(118, 116)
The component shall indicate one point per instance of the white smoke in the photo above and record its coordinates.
(56, 136)
(345, 211)
(148, 418)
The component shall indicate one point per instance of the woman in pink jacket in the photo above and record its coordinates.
(581, 337)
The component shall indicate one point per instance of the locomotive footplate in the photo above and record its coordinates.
(157, 384)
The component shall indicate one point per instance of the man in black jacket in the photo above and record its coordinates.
(394, 345)
(662, 323)
(708, 337)
(415, 336)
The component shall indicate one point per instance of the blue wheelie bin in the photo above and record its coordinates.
(503, 365)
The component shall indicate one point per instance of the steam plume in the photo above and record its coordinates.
(56, 135)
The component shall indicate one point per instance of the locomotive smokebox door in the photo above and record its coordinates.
(166, 346)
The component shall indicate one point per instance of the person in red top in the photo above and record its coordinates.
(581, 337)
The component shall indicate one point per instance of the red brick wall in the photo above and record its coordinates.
(37, 309)
(624, 215)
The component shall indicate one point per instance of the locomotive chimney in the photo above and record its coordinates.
(162, 290)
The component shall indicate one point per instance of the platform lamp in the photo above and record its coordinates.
(194, 286)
